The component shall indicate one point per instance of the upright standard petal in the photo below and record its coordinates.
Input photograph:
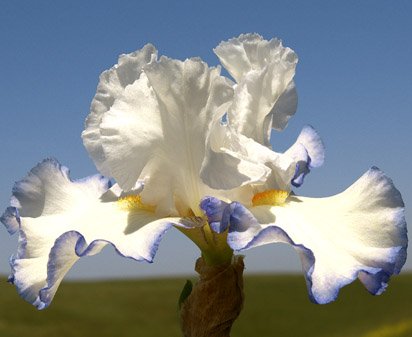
(112, 83)
(235, 160)
(156, 131)
(62, 220)
(360, 233)
(265, 95)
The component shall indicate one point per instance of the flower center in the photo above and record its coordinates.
(213, 246)
(270, 197)
(134, 203)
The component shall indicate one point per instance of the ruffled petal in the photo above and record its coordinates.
(233, 160)
(156, 130)
(129, 131)
(314, 146)
(360, 233)
(265, 96)
(306, 153)
(62, 220)
(112, 83)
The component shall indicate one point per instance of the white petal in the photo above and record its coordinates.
(265, 96)
(284, 108)
(306, 153)
(130, 130)
(313, 144)
(112, 84)
(358, 233)
(157, 128)
(61, 221)
(233, 160)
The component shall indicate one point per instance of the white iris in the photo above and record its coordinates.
(190, 148)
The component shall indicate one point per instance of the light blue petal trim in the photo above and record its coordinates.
(11, 219)
(73, 245)
(374, 279)
(214, 209)
(277, 235)
(311, 140)
(28, 195)
(28, 200)
(246, 233)
(312, 157)
(66, 250)
(302, 167)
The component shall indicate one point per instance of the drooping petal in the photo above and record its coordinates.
(10, 219)
(313, 144)
(306, 153)
(112, 83)
(358, 233)
(156, 130)
(265, 96)
(62, 220)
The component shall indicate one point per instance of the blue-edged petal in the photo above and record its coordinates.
(235, 160)
(61, 220)
(306, 153)
(359, 233)
(11, 219)
(313, 144)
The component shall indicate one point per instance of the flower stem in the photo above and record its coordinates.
(215, 301)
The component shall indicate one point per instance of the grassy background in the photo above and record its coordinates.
(275, 306)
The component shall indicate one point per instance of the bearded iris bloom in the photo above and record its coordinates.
(190, 149)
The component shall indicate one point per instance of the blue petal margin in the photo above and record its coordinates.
(69, 246)
(27, 191)
(11, 219)
(314, 156)
(66, 250)
(241, 220)
(36, 286)
(245, 232)
(27, 195)
(39, 286)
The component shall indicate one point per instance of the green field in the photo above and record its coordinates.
(275, 306)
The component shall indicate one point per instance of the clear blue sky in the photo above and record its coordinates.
(354, 80)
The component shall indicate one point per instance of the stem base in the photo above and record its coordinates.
(215, 301)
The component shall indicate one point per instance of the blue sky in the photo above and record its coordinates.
(354, 80)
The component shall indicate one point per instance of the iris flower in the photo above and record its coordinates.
(190, 149)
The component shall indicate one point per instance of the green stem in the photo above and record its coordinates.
(214, 247)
